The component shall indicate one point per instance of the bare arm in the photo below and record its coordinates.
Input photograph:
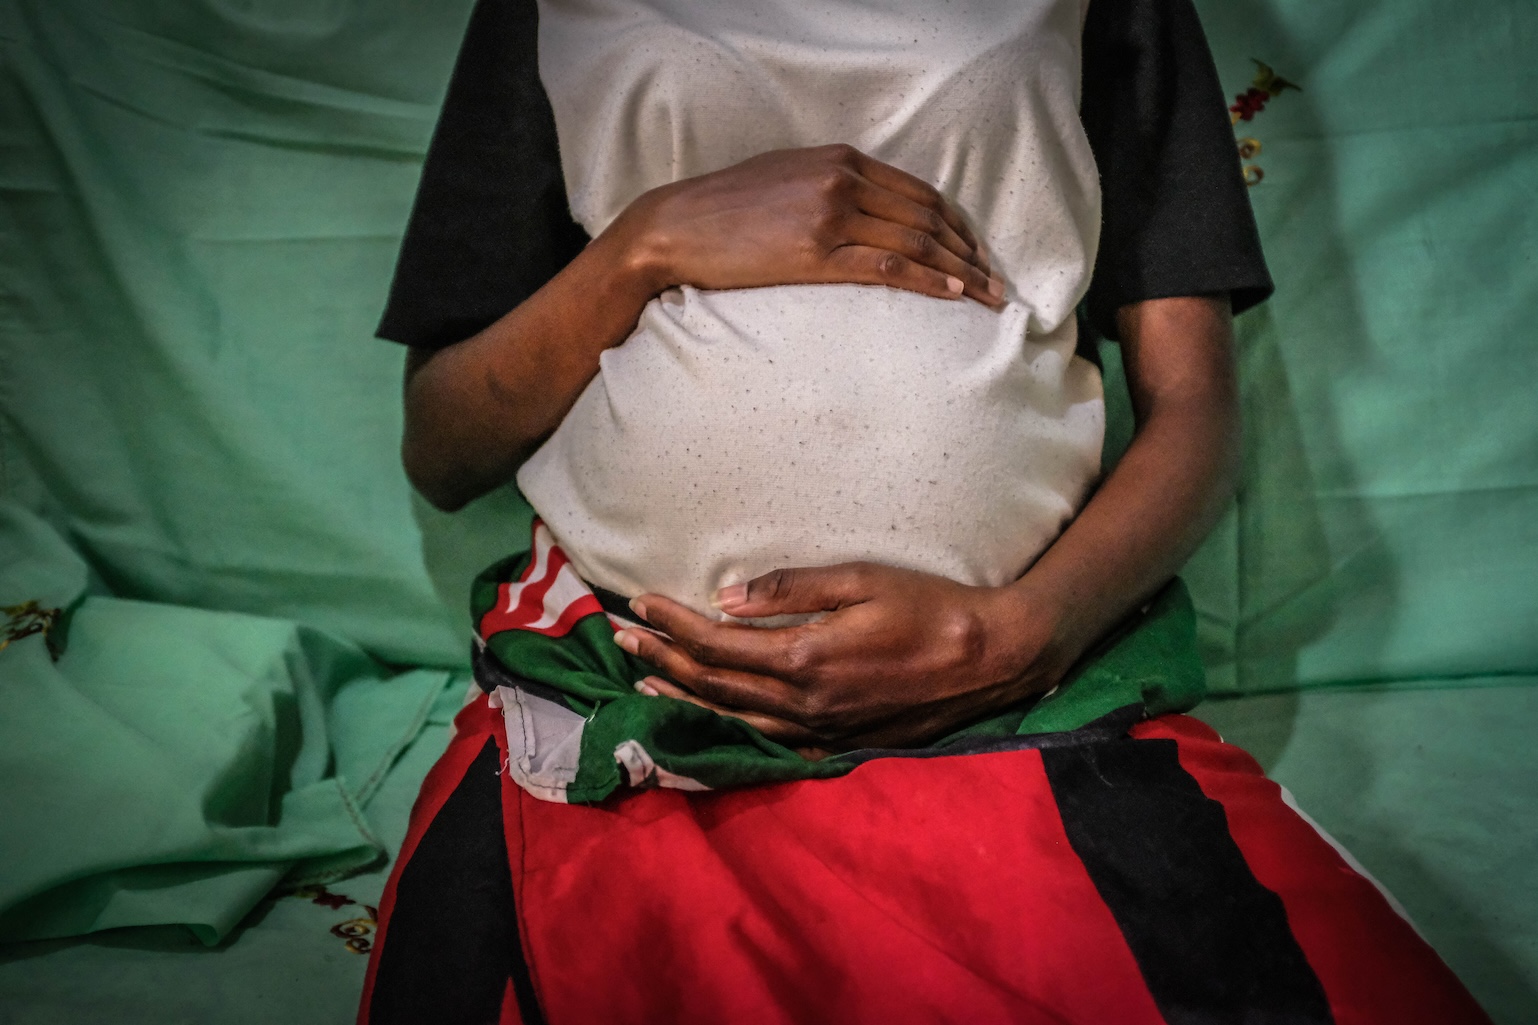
(1171, 485)
(903, 656)
(476, 410)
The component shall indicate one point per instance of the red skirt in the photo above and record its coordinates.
(1154, 877)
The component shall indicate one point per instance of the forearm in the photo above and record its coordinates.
(476, 410)
(1168, 490)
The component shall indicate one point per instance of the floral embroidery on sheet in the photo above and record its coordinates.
(1267, 86)
(27, 619)
(354, 932)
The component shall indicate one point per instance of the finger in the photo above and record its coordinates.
(784, 592)
(878, 201)
(984, 260)
(722, 646)
(751, 692)
(916, 189)
(869, 265)
(778, 730)
(806, 743)
(925, 250)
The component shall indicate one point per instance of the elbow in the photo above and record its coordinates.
(439, 472)
(428, 477)
(452, 455)
(443, 500)
(432, 451)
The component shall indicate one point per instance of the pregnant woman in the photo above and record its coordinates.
(770, 309)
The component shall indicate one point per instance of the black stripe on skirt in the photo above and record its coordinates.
(452, 942)
(1213, 944)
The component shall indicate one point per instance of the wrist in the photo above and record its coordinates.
(1030, 631)
(637, 250)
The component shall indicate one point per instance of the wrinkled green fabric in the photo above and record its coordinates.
(282, 965)
(198, 213)
(201, 209)
(172, 765)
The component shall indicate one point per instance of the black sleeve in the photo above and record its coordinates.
(1176, 217)
(491, 223)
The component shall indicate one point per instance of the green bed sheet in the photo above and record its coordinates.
(200, 202)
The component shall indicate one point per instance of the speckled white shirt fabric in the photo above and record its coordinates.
(739, 431)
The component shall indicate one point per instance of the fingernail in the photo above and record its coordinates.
(627, 640)
(731, 597)
(995, 287)
(638, 608)
(645, 688)
(954, 284)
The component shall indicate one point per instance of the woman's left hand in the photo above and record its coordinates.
(900, 658)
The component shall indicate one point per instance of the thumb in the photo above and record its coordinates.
(790, 591)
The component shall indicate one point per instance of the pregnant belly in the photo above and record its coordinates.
(738, 432)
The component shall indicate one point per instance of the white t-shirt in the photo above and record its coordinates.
(740, 431)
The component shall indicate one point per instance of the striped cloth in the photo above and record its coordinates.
(577, 731)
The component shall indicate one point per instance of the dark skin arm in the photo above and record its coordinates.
(476, 410)
(903, 657)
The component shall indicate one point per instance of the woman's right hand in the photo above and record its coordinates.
(797, 216)
(477, 409)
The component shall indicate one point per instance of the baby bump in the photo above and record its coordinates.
(737, 432)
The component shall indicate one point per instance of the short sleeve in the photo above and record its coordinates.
(1176, 216)
(491, 223)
